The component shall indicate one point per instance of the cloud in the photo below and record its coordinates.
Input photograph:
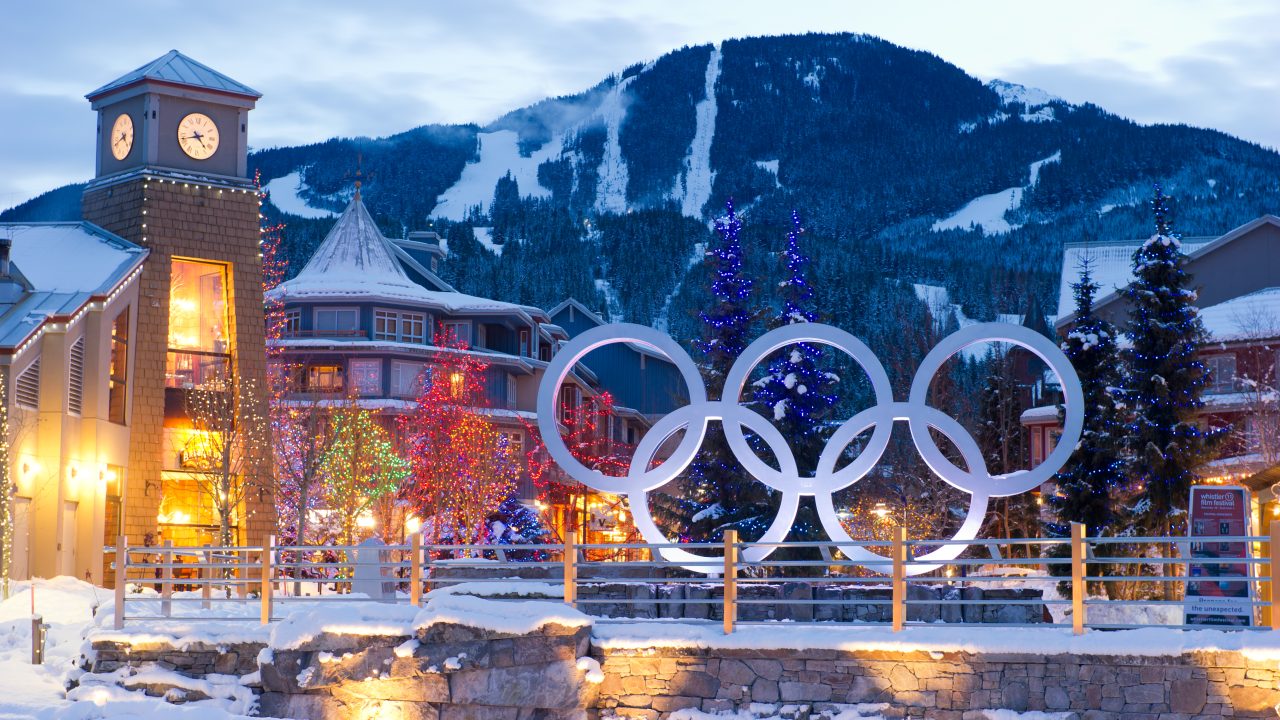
(329, 68)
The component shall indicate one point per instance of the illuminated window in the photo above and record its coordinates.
(118, 377)
(198, 337)
(526, 349)
(456, 384)
(366, 377)
(324, 378)
(198, 306)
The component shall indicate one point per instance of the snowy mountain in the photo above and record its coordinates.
(904, 167)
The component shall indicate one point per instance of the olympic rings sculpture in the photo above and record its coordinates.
(695, 417)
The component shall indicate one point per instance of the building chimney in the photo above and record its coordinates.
(6, 244)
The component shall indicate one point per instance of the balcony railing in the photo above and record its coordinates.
(327, 334)
(195, 369)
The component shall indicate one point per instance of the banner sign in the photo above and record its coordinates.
(1217, 592)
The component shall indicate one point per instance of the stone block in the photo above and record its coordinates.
(791, 591)
(1148, 693)
(555, 685)
(736, 672)
(804, 692)
(1252, 699)
(767, 669)
(1189, 695)
(1055, 698)
(902, 679)
(1015, 696)
(695, 684)
(764, 691)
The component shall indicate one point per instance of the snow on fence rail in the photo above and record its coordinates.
(610, 581)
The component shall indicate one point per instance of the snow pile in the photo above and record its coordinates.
(284, 193)
(988, 211)
(1011, 93)
(1153, 641)
(368, 619)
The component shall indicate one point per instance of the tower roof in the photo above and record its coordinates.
(356, 262)
(177, 69)
(355, 250)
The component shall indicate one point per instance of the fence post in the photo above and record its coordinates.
(266, 577)
(571, 568)
(415, 570)
(1274, 551)
(122, 578)
(166, 580)
(1078, 586)
(37, 639)
(206, 579)
(730, 580)
(898, 582)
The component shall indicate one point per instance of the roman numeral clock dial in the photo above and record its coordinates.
(198, 136)
(121, 137)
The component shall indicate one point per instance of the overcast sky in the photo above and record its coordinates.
(375, 68)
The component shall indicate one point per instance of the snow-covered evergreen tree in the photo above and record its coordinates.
(716, 488)
(1166, 378)
(797, 392)
(1090, 486)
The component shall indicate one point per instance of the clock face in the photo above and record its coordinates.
(198, 136)
(122, 136)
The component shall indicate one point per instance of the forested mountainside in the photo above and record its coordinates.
(907, 171)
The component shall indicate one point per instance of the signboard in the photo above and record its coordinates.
(1217, 592)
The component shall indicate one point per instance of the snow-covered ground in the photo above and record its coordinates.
(484, 236)
(76, 610)
(284, 194)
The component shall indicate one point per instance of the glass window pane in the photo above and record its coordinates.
(366, 377)
(198, 306)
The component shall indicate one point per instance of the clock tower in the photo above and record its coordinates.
(172, 176)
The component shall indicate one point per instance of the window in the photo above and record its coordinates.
(198, 306)
(119, 370)
(292, 322)
(324, 378)
(1222, 374)
(457, 383)
(544, 353)
(512, 389)
(482, 336)
(568, 402)
(525, 349)
(407, 378)
(396, 326)
(459, 331)
(27, 389)
(515, 441)
(337, 320)
(75, 378)
(366, 377)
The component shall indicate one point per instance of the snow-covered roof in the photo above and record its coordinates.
(1110, 263)
(1039, 415)
(62, 265)
(356, 262)
(1249, 317)
(174, 67)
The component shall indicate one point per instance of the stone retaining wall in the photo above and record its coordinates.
(650, 684)
(445, 672)
(192, 659)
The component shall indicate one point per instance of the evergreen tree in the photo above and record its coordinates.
(797, 392)
(1166, 378)
(1096, 472)
(721, 492)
